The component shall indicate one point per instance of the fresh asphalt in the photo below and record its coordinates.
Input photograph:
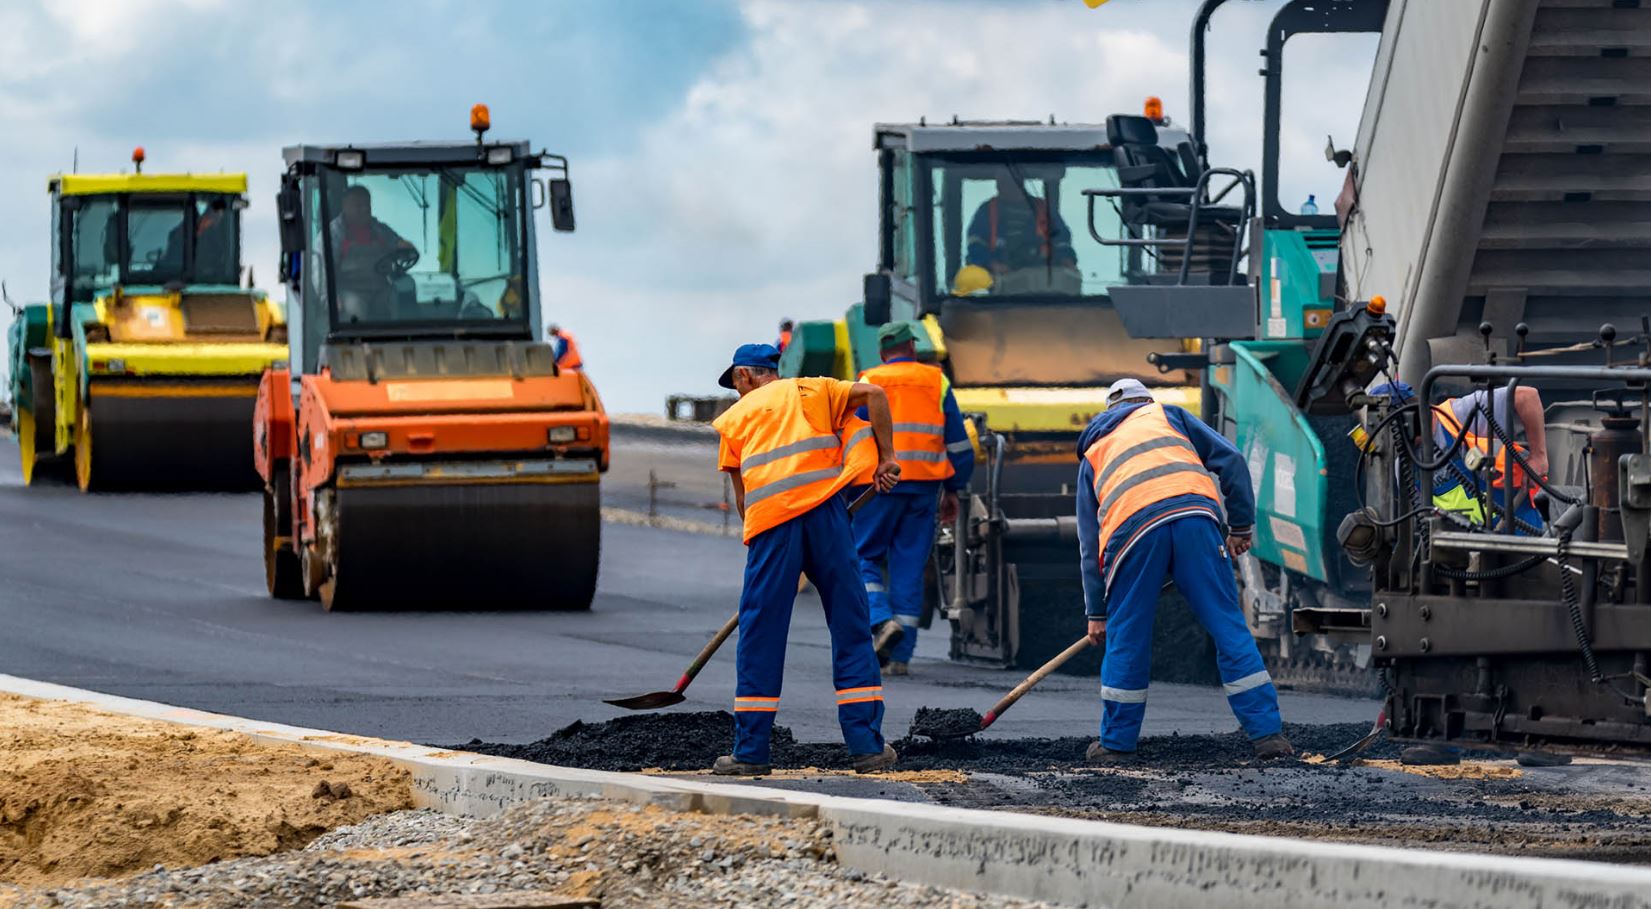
(161, 597)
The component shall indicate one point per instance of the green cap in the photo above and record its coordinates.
(894, 334)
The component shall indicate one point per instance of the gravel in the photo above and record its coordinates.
(627, 856)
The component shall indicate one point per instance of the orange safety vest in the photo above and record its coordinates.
(1445, 414)
(570, 358)
(859, 452)
(1141, 462)
(916, 394)
(785, 341)
(787, 465)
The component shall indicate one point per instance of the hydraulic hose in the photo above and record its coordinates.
(1492, 574)
(1573, 606)
(1502, 436)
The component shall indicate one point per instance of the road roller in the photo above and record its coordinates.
(142, 370)
(420, 447)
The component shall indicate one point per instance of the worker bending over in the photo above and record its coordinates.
(894, 533)
(782, 447)
(565, 348)
(1147, 509)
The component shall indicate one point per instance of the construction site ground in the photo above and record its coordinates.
(99, 810)
(161, 597)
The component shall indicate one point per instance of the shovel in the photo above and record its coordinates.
(656, 699)
(1008, 700)
(1353, 750)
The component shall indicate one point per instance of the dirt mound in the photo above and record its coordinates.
(90, 794)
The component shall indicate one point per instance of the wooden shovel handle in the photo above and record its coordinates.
(705, 655)
(1037, 676)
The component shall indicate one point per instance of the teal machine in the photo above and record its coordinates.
(1263, 327)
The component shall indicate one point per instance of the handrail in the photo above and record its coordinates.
(1196, 193)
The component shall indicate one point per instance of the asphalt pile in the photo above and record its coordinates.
(934, 722)
(692, 740)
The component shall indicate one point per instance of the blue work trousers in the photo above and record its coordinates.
(820, 544)
(897, 531)
(1192, 552)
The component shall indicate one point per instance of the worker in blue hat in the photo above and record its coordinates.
(782, 446)
(894, 533)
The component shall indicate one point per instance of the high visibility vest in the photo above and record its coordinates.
(1506, 467)
(570, 358)
(785, 340)
(1142, 462)
(916, 392)
(859, 452)
(787, 465)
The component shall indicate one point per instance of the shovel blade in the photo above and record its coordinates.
(651, 701)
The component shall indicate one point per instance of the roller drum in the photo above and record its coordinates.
(464, 546)
(166, 442)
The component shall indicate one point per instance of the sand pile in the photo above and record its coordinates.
(90, 794)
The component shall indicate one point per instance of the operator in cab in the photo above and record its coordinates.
(362, 248)
(1148, 508)
(1456, 488)
(894, 533)
(782, 448)
(1014, 242)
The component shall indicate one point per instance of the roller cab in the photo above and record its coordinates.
(424, 449)
(142, 370)
(984, 247)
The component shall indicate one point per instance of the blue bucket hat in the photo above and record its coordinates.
(1398, 391)
(766, 356)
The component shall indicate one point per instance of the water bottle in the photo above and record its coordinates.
(1310, 207)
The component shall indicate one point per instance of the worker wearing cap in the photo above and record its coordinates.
(1148, 509)
(894, 533)
(566, 349)
(782, 446)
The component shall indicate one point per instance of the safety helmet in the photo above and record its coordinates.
(971, 279)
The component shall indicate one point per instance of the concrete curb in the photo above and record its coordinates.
(1078, 863)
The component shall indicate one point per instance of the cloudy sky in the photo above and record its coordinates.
(720, 148)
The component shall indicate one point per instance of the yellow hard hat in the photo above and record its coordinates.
(971, 279)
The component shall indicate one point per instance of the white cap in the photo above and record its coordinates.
(1125, 389)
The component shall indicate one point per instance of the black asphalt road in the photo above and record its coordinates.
(161, 597)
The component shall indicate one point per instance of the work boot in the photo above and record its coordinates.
(884, 638)
(1273, 747)
(1430, 756)
(896, 667)
(872, 763)
(1100, 755)
(728, 765)
(1542, 759)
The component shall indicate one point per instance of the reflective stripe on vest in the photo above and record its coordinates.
(1141, 462)
(859, 452)
(787, 465)
(916, 394)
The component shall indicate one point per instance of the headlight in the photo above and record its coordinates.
(349, 160)
(561, 434)
(115, 365)
(500, 155)
(375, 439)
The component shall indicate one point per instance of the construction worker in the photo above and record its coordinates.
(786, 326)
(1456, 488)
(782, 447)
(567, 349)
(894, 533)
(1012, 230)
(360, 243)
(1147, 509)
